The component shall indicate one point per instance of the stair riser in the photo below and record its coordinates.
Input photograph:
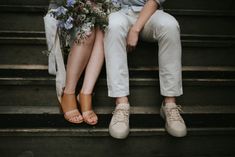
(189, 24)
(22, 21)
(28, 95)
(191, 56)
(24, 2)
(140, 95)
(200, 4)
(149, 146)
(206, 25)
(208, 56)
(23, 54)
(26, 54)
(188, 4)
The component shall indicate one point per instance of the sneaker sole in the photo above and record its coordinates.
(119, 136)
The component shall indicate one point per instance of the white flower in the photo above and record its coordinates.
(60, 10)
(70, 3)
(69, 23)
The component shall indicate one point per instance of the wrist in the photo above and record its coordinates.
(136, 28)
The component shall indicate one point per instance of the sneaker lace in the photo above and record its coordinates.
(173, 113)
(121, 115)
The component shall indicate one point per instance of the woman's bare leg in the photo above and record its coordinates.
(77, 61)
(92, 72)
(95, 64)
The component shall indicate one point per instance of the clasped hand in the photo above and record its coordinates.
(132, 39)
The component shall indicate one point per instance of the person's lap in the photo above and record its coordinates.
(125, 19)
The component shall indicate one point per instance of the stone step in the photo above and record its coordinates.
(188, 72)
(28, 133)
(200, 4)
(198, 50)
(149, 140)
(23, 50)
(187, 4)
(144, 91)
(25, 2)
(191, 21)
(106, 111)
(206, 142)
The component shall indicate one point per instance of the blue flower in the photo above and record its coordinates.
(69, 23)
(116, 1)
(61, 10)
(70, 3)
(60, 24)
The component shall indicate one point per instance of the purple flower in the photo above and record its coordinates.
(69, 23)
(60, 24)
(70, 3)
(61, 10)
(116, 1)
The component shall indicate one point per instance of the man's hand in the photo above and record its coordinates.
(133, 35)
(132, 39)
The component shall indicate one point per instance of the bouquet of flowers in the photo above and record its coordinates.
(81, 16)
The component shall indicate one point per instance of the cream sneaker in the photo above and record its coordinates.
(175, 124)
(119, 125)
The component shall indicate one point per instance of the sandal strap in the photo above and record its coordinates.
(90, 117)
(68, 100)
(72, 112)
(90, 114)
(85, 102)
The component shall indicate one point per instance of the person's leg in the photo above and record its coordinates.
(77, 60)
(116, 55)
(91, 74)
(164, 28)
(95, 64)
(117, 72)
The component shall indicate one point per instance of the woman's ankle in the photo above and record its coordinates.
(86, 91)
(85, 101)
(69, 91)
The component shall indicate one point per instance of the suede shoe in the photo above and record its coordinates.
(119, 125)
(175, 124)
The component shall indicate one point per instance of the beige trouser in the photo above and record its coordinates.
(161, 28)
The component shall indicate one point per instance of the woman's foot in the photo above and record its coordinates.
(70, 110)
(88, 114)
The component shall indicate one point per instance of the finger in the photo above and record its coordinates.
(130, 48)
(133, 48)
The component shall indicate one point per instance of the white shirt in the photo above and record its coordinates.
(136, 5)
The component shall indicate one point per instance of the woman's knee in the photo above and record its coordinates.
(89, 40)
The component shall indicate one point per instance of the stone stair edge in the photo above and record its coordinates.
(100, 132)
(45, 81)
(38, 67)
(187, 42)
(38, 74)
(152, 68)
(39, 34)
(44, 8)
(105, 110)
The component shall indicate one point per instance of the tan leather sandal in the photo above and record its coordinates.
(70, 110)
(88, 114)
